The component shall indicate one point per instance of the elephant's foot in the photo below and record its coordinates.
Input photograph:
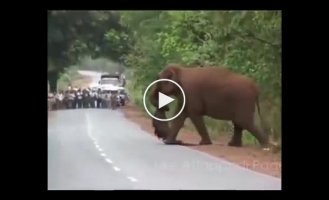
(234, 143)
(205, 142)
(159, 134)
(173, 142)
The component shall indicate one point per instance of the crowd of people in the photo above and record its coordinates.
(75, 98)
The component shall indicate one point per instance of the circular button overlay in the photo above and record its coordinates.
(144, 98)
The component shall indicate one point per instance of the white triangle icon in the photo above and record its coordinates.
(164, 100)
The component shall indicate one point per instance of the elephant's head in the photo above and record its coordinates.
(172, 72)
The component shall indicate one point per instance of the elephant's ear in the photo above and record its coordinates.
(154, 98)
(173, 74)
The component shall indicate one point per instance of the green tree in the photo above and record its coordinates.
(75, 34)
(248, 42)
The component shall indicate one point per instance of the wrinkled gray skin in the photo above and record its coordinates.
(210, 91)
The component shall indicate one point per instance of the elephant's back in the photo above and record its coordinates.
(216, 92)
(211, 77)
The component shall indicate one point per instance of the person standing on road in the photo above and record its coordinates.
(86, 98)
(99, 98)
(74, 98)
(79, 96)
(93, 99)
(59, 100)
(66, 99)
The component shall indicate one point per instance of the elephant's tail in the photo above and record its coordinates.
(263, 125)
(258, 107)
(275, 146)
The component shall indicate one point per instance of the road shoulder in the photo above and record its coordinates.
(248, 156)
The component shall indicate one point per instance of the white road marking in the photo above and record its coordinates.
(132, 179)
(89, 130)
(116, 168)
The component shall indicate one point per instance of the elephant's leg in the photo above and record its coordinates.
(177, 124)
(202, 130)
(237, 136)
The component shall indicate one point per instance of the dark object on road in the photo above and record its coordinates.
(86, 99)
(114, 100)
(216, 92)
(161, 128)
(121, 100)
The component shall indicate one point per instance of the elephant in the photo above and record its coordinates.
(216, 92)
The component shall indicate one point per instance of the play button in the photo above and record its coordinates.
(164, 100)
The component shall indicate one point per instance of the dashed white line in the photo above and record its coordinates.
(132, 179)
(116, 168)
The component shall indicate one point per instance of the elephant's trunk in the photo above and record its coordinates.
(161, 128)
(153, 96)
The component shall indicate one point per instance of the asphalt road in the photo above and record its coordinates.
(99, 149)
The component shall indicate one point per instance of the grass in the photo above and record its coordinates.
(248, 138)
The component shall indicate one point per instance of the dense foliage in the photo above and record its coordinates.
(75, 34)
(248, 42)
